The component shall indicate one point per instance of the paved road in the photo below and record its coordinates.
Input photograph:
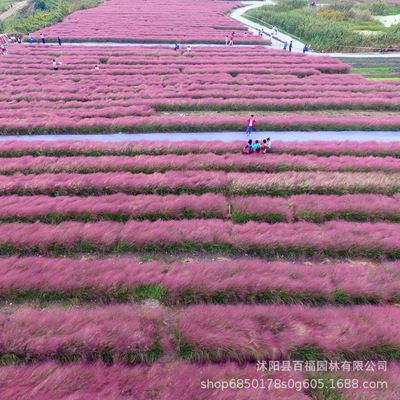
(254, 26)
(361, 136)
(297, 45)
(171, 45)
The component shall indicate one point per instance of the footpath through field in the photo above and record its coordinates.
(359, 136)
(254, 26)
(14, 9)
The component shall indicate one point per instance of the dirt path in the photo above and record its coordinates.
(15, 8)
(389, 20)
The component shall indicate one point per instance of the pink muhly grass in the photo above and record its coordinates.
(286, 183)
(81, 333)
(250, 333)
(116, 206)
(85, 147)
(112, 182)
(357, 206)
(241, 280)
(171, 381)
(227, 162)
(331, 238)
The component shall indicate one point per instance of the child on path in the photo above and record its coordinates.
(250, 124)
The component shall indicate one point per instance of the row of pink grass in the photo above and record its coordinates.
(171, 381)
(249, 333)
(351, 239)
(17, 148)
(279, 184)
(177, 380)
(227, 333)
(42, 334)
(203, 280)
(138, 124)
(308, 207)
(210, 161)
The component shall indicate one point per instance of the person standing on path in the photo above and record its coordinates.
(285, 45)
(59, 41)
(231, 41)
(250, 125)
(42, 37)
(290, 46)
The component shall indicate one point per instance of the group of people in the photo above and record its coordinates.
(256, 148)
(274, 32)
(288, 46)
(230, 39)
(42, 39)
(177, 46)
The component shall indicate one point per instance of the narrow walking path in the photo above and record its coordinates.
(359, 136)
(14, 9)
(297, 45)
(254, 26)
(171, 45)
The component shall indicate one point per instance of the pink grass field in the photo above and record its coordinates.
(201, 281)
(149, 89)
(154, 21)
(152, 270)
